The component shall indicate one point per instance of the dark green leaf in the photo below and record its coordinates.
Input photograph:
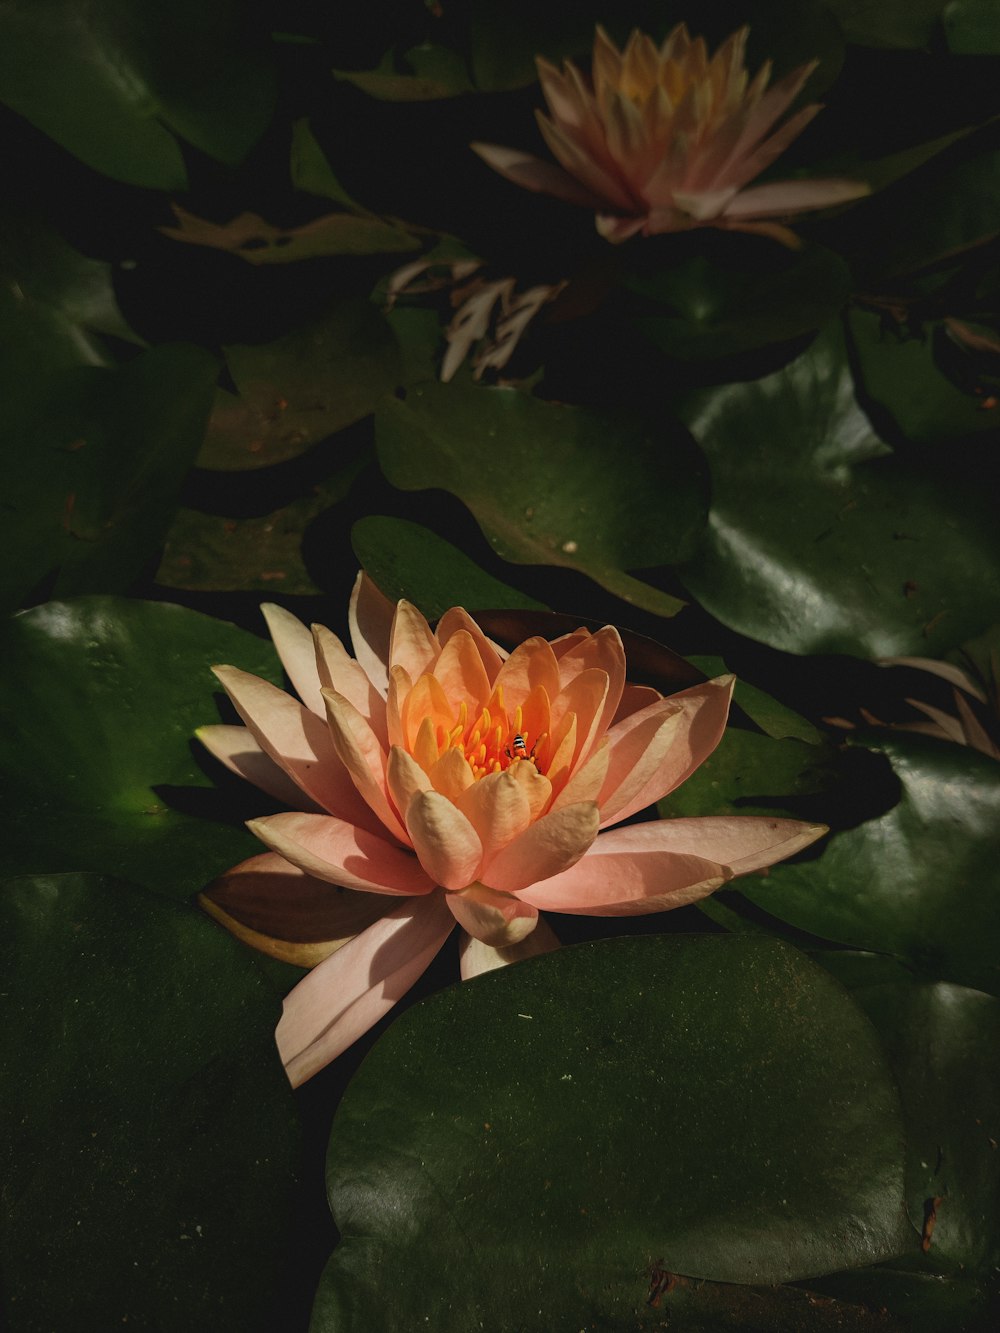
(894, 23)
(437, 72)
(773, 718)
(302, 387)
(718, 308)
(919, 882)
(148, 1127)
(746, 767)
(93, 461)
(600, 492)
(713, 1106)
(407, 560)
(903, 377)
(110, 81)
(972, 27)
(100, 700)
(818, 540)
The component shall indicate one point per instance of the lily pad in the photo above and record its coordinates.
(94, 459)
(819, 540)
(436, 72)
(99, 769)
(407, 560)
(919, 882)
(716, 1101)
(899, 24)
(113, 83)
(301, 388)
(261, 242)
(550, 484)
(153, 1147)
(972, 27)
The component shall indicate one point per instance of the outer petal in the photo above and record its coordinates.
(459, 670)
(606, 651)
(446, 843)
(348, 993)
(530, 665)
(742, 843)
(652, 754)
(370, 618)
(589, 778)
(545, 848)
(628, 872)
(278, 909)
(294, 644)
(296, 740)
(781, 197)
(236, 748)
(411, 643)
(498, 919)
(532, 173)
(477, 957)
(363, 757)
(339, 853)
(337, 670)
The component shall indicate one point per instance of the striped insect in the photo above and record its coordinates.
(520, 749)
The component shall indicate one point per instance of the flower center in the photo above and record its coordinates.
(491, 741)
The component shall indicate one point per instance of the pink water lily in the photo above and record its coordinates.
(448, 782)
(664, 138)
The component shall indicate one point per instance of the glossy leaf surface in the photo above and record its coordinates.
(720, 1101)
(98, 762)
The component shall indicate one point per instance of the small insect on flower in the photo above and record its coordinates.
(521, 748)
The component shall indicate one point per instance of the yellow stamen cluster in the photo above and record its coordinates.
(487, 741)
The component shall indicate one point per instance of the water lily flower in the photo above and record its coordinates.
(665, 138)
(450, 783)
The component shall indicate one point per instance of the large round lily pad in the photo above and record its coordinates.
(521, 1152)
(149, 1133)
(98, 763)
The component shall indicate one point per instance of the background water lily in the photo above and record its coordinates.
(473, 786)
(664, 138)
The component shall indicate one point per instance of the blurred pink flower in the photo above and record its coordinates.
(465, 785)
(663, 139)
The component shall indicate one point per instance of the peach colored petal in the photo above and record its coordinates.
(337, 670)
(498, 919)
(400, 686)
(490, 653)
(634, 698)
(426, 701)
(404, 778)
(547, 847)
(411, 643)
(616, 228)
(296, 740)
(741, 843)
(340, 853)
(451, 775)
(446, 843)
(364, 759)
(579, 164)
(652, 755)
(770, 108)
(781, 197)
(559, 751)
(502, 805)
(295, 648)
(236, 748)
(477, 958)
(533, 173)
(278, 909)
(586, 783)
(531, 664)
(628, 872)
(348, 993)
(566, 642)
(605, 651)
(460, 672)
(771, 148)
(585, 695)
(370, 619)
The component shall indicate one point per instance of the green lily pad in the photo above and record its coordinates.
(942, 1044)
(437, 72)
(94, 459)
(711, 1105)
(919, 882)
(972, 27)
(550, 484)
(774, 718)
(407, 560)
(209, 553)
(904, 378)
(899, 24)
(304, 386)
(99, 769)
(150, 1131)
(113, 83)
(741, 298)
(818, 539)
